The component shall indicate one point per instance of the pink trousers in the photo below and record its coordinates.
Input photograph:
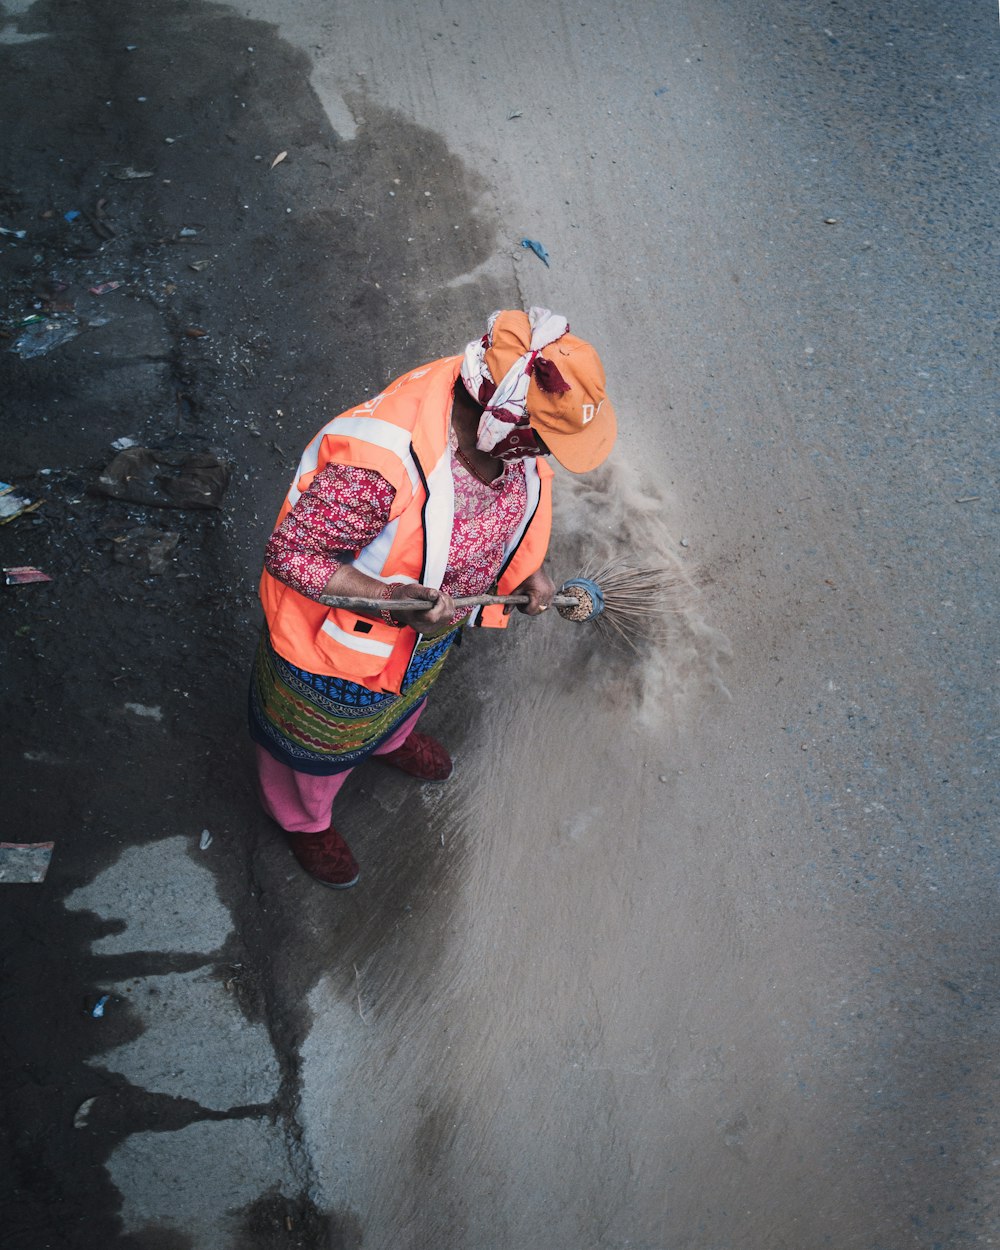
(301, 803)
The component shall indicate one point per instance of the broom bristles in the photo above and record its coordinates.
(638, 602)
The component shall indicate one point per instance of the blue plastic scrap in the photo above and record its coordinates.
(538, 249)
(40, 337)
(98, 1008)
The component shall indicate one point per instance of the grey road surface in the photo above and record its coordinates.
(712, 964)
(698, 949)
(721, 973)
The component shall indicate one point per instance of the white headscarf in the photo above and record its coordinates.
(505, 408)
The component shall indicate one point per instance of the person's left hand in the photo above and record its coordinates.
(540, 588)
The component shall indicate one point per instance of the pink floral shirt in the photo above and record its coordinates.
(346, 508)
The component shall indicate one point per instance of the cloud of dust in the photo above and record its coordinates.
(610, 515)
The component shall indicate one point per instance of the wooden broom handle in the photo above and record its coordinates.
(355, 604)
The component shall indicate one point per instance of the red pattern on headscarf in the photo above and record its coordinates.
(549, 378)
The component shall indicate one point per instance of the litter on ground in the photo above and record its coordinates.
(83, 1112)
(146, 547)
(534, 246)
(22, 574)
(147, 713)
(12, 505)
(165, 479)
(40, 337)
(24, 863)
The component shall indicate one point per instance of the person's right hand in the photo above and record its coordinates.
(435, 620)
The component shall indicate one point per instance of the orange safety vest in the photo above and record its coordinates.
(403, 434)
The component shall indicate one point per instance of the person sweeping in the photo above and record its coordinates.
(436, 488)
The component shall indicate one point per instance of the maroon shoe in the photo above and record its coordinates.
(421, 756)
(325, 856)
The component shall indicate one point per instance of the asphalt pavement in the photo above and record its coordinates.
(699, 947)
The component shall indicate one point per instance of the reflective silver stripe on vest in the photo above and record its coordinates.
(533, 485)
(369, 430)
(371, 559)
(439, 521)
(356, 642)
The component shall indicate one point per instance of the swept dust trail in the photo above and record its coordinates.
(589, 1012)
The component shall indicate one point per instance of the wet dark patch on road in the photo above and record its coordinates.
(255, 302)
(296, 1224)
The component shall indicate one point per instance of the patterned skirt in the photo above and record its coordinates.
(325, 725)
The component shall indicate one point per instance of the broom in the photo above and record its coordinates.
(623, 601)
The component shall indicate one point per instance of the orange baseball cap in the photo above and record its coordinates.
(567, 404)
